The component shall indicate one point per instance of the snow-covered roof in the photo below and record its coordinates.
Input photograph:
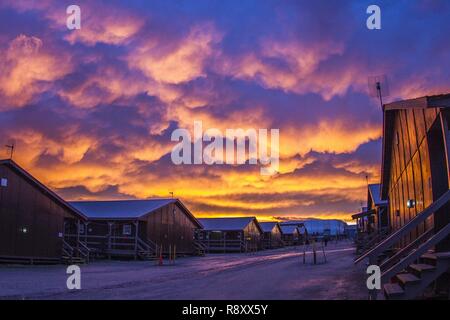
(375, 190)
(267, 226)
(288, 229)
(119, 209)
(230, 224)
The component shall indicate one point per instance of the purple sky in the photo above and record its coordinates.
(92, 110)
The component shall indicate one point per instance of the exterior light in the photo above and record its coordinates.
(411, 203)
(4, 182)
(24, 230)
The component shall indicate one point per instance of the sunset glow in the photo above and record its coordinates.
(91, 111)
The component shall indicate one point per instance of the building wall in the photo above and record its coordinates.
(410, 172)
(169, 226)
(252, 235)
(24, 205)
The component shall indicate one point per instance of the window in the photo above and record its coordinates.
(126, 229)
(81, 229)
(4, 182)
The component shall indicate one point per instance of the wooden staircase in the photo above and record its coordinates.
(75, 254)
(200, 248)
(413, 281)
(407, 272)
(146, 249)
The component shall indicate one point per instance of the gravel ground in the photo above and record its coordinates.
(266, 275)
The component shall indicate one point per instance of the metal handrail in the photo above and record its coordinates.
(148, 246)
(67, 249)
(398, 255)
(84, 250)
(416, 254)
(407, 228)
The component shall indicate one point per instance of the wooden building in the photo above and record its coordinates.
(138, 228)
(373, 221)
(33, 219)
(242, 234)
(272, 235)
(415, 181)
(290, 234)
(380, 220)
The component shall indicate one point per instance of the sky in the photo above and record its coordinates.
(91, 111)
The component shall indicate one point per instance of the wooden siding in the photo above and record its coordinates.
(252, 236)
(24, 205)
(169, 226)
(411, 167)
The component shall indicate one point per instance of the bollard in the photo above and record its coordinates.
(174, 253)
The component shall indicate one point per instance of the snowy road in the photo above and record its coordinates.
(275, 274)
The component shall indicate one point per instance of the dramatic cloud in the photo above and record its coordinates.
(91, 111)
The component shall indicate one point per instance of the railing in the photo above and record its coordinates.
(147, 246)
(78, 249)
(67, 249)
(200, 246)
(223, 244)
(365, 244)
(406, 229)
(83, 251)
(400, 254)
(415, 254)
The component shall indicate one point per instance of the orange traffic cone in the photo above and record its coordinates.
(160, 257)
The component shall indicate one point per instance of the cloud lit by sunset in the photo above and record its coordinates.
(91, 111)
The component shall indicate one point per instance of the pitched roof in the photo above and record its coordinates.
(18, 169)
(125, 209)
(363, 214)
(375, 192)
(267, 226)
(288, 229)
(227, 224)
(435, 101)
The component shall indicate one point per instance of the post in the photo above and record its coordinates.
(136, 232)
(446, 138)
(174, 253)
(224, 238)
(86, 231)
(314, 252)
(78, 238)
(110, 224)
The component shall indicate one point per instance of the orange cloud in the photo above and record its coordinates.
(181, 63)
(27, 69)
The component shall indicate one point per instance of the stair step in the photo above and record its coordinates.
(393, 290)
(407, 278)
(422, 267)
(442, 255)
(430, 256)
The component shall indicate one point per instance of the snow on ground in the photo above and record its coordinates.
(270, 274)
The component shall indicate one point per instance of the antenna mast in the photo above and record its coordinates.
(378, 87)
(11, 149)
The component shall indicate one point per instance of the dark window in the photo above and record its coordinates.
(126, 229)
